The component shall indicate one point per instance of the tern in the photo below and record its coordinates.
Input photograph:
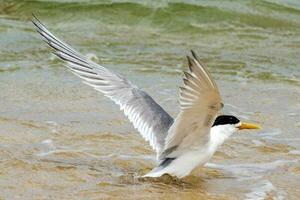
(182, 143)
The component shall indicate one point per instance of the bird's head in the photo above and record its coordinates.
(231, 124)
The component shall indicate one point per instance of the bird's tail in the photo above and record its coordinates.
(155, 172)
(161, 169)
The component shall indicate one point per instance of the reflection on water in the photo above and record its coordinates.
(60, 139)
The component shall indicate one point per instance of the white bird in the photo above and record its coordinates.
(181, 144)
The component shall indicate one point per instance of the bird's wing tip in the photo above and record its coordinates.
(34, 18)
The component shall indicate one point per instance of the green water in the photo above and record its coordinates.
(61, 139)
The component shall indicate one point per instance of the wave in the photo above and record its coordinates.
(169, 15)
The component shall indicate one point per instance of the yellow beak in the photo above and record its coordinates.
(248, 126)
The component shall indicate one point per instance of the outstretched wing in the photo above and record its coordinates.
(146, 115)
(200, 101)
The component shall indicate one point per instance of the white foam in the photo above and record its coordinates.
(251, 170)
(295, 152)
(53, 126)
(262, 190)
(272, 133)
(48, 141)
(48, 144)
(57, 151)
(92, 57)
(258, 143)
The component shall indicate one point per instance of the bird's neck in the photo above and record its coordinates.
(218, 135)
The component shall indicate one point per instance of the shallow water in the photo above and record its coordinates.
(60, 139)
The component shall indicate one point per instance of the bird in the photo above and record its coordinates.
(182, 143)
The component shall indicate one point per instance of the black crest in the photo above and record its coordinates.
(226, 119)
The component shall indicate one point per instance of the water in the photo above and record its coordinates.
(60, 139)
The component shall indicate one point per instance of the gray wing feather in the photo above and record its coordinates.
(151, 120)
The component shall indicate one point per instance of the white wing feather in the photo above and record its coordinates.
(200, 101)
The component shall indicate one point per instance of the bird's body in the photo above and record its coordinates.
(182, 143)
(197, 155)
(185, 163)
